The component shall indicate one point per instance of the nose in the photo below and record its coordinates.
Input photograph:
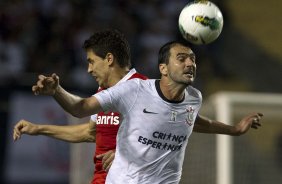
(189, 62)
(89, 69)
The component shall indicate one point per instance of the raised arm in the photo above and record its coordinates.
(205, 125)
(71, 133)
(75, 105)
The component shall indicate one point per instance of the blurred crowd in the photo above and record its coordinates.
(46, 36)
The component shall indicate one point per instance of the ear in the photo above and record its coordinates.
(163, 69)
(110, 58)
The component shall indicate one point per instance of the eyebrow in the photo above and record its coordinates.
(185, 54)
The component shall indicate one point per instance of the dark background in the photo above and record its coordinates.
(45, 36)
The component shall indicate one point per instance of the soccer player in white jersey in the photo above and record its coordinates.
(158, 116)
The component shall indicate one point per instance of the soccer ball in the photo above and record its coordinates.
(200, 22)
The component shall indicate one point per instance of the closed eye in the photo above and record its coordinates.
(90, 61)
(183, 56)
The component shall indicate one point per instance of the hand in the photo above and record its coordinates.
(24, 127)
(250, 121)
(107, 159)
(46, 85)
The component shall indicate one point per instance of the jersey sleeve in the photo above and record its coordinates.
(119, 98)
(196, 94)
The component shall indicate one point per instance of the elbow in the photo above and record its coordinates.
(78, 112)
(81, 109)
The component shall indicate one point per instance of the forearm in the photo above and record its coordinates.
(71, 103)
(69, 133)
(205, 125)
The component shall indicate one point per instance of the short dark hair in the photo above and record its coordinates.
(164, 52)
(110, 41)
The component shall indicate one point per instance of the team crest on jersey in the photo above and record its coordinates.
(189, 120)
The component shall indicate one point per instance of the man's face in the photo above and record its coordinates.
(181, 67)
(98, 67)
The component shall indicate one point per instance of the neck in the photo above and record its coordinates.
(171, 90)
(116, 75)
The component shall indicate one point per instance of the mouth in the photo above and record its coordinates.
(189, 73)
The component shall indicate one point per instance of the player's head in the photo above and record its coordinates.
(177, 62)
(110, 41)
(107, 52)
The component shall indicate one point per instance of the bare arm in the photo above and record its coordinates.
(75, 105)
(71, 133)
(205, 125)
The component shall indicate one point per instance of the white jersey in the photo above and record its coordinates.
(154, 132)
(124, 79)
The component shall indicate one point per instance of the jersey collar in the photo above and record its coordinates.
(127, 76)
(158, 88)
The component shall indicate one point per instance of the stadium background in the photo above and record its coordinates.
(45, 36)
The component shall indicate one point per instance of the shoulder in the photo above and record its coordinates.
(139, 81)
(194, 92)
(127, 85)
(134, 74)
(139, 76)
(134, 84)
